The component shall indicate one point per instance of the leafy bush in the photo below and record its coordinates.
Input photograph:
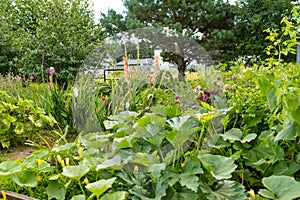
(21, 119)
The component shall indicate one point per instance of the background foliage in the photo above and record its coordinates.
(228, 32)
(42, 34)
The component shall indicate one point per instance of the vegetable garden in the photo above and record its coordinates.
(233, 136)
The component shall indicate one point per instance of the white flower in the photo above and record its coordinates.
(127, 105)
(76, 91)
(150, 96)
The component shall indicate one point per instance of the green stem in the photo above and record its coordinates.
(79, 183)
(235, 121)
(201, 136)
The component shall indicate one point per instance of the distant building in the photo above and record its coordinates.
(145, 64)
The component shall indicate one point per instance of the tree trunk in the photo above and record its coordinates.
(181, 69)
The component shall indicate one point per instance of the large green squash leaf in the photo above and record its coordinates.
(228, 190)
(283, 187)
(25, 179)
(121, 195)
(75, 172)
(55, 190)
(9, 167)
(220, 167)
(100, 186)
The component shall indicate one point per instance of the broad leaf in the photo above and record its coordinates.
(234, 134)
(190, 181)
(78, 197)
(192, 166)
(249, 138)
(64, 149)
(9, 167)
(25, 179)
(75, 172)
(228, 190)
(284, 187)
(56, 191)
(266, 193)
(121, 195)
(220, 167)
(288, 132)
(272, 100)
(100, 186)
(182, 195)
(147, 159)
(114, 162)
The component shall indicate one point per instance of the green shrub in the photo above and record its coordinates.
(21, 119)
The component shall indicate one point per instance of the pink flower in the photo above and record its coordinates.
(227, 87)
(127, 105)
(228, 79)
(233, 77)
(197, 89)
(31, 77)
(220, 83)
(52, 70)
(176, 101)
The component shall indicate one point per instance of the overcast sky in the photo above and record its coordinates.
(104, 5)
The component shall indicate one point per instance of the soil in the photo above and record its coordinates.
(17, 152)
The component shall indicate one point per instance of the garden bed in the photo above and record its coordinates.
(14, 196)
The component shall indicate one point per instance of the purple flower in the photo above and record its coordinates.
(194, 107)
(52, 70)
(200, 97)
(212, 92)
(177, 97)
(31, 77)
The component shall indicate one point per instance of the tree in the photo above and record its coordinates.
(57, 33)
(255, 16)
(189, 17)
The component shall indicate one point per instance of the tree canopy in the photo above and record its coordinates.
(190, 17)
(38, 34)
(227, 31)
(252, 18)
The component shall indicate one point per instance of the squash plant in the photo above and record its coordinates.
(152, 155)
(21, 119)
